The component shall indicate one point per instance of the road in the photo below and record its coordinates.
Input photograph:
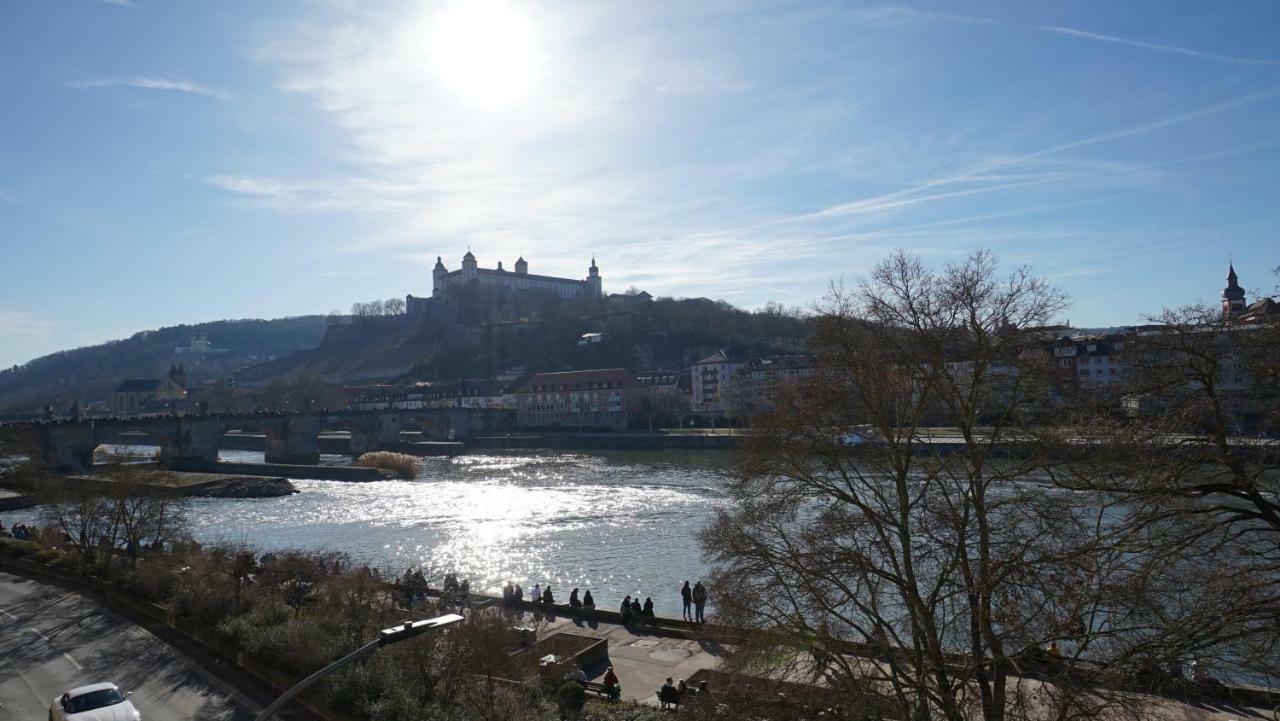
(52, 640)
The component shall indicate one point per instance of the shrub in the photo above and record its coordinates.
(402, 464)
(19, 549)
(570, 698)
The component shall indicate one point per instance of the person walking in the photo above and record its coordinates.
(699, 602)
(686, 600)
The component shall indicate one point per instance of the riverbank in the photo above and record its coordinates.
(621, 441)
(352, 474)
(194, 485)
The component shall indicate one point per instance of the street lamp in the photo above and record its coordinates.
(387, 636)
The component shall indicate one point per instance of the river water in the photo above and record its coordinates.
(617, 523)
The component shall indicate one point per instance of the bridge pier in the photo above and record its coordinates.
(296, 442)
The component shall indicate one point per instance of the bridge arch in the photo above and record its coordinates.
(361, 441)
(432, 427)
(118, 444)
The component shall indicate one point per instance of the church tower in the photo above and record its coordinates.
(1232, 295)
(522, 266)
(593, 279)
(437, 278)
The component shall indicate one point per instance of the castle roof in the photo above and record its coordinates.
(468, 256)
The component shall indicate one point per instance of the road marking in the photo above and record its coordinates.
(26, 682)
(67, 656)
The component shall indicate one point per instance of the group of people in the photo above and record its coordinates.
(21, 532)
(671, 695)
(694, 602)
(631, 608)
(693, 598)
(453, 589)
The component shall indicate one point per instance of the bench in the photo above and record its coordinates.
(600, 689)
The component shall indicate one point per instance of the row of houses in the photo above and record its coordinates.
(614, 398)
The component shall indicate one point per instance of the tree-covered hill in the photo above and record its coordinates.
(90, 374)
(485, 336)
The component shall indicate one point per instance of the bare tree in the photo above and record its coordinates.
(913, 577)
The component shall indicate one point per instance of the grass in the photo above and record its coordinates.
(402, 464)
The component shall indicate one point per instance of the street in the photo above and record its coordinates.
(52, 640)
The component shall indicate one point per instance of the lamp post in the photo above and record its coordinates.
(387, 636)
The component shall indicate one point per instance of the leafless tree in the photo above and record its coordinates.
(1200, 488)
(914, 577)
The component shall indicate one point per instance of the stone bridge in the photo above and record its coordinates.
(290, 437)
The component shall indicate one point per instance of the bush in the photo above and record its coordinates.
(19, 549)
(402, 464)
(570, 698)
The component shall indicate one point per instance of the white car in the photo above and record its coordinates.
(95, 702)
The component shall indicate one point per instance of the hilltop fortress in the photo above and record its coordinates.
(445, 281)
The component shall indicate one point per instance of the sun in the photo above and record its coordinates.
(485, 51)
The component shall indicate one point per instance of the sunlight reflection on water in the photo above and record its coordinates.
(617, 523)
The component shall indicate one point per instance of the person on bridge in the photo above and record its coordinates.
(573, 599)
(700, 601)
(686, 601)
(588, 602)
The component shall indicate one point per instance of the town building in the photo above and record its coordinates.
(147, 395)
(1093, 362)
(1235, 309)
(759, 380)
(472, 393)
(712, 377)
(606, 398)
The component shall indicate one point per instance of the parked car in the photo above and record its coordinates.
(95, 702)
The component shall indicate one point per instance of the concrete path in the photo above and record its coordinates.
(641, 660)
(52, 640)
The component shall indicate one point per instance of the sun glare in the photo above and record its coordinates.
(485, 51)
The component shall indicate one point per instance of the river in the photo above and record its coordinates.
(617, 523)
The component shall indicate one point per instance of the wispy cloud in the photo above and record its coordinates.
(14, 323)
(154, 82)
(311, 196)
(1171, 49)
(119, 3)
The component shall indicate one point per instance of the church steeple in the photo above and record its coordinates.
(1232, 295)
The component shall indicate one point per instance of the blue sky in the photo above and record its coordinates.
(168, 162)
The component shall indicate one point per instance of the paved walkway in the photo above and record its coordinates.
(641, 660)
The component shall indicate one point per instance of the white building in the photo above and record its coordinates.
(711, 378)
(519, 279)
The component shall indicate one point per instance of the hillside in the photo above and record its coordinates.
(479, 338)
(466, 337)
(90, 374)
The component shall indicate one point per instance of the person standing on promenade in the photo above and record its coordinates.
(700, 601)
(686, 600)
(625, 610)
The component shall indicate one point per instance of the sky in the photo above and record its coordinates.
(178, 162)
